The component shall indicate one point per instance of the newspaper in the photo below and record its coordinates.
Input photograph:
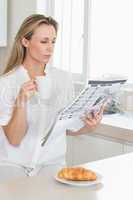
(90, 100)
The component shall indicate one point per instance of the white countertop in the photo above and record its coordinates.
(116, 184)
(123, 120)
(117, 126)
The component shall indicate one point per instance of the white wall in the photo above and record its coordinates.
(45, 7)
(17, 11)
(3, 23)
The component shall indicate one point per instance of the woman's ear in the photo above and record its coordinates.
(25, 42)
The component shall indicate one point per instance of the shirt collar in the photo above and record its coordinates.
(25, 71)
(22, 74)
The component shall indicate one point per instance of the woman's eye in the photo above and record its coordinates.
(44, 42)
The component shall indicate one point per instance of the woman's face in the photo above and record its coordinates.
(40, 47)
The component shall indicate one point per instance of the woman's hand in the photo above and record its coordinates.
(91, 122)
(26, 91)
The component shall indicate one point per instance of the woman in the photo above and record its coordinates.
(24, 116)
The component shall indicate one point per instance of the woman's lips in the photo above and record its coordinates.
(47, 56)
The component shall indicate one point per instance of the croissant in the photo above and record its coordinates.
(77, 174)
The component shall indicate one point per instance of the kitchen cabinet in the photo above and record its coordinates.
(83, 149)
(128, 148)
(69, 153)
(113, 137)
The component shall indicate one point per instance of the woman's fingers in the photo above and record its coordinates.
(102, 109)
(100, 112)
(27, 90)
(30, 87)
(92, 122)
(30, 84)
(87, 123)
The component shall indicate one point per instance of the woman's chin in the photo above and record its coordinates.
(45, 61)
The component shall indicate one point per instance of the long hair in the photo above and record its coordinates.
(26, 30)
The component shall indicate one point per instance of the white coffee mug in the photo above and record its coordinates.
(44, 86)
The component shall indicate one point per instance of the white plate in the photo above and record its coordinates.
(80, 183)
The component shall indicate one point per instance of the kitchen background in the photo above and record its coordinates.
(94, 40)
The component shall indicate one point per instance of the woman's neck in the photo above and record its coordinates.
(34, 69)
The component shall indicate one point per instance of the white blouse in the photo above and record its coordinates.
(40, 115)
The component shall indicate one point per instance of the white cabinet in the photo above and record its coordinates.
(69, 153)
(3, 23)
(87, 148)
(128, 148)
(83, 149)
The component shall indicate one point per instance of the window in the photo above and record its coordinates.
(93, 41)
(71, 46)
(70, 42)
(111, 28)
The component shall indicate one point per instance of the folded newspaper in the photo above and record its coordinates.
(91, 98)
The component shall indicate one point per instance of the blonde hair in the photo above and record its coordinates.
(26, 30)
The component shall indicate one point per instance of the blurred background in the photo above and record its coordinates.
(94, 38)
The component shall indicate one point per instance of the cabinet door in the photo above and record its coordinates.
(90, 148)
(128, 148)
(69, 152)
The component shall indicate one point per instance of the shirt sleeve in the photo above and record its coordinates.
(6, 101)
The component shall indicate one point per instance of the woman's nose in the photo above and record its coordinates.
(50, 48)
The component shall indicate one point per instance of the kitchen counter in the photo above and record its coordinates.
(117, 126)
(116, 184)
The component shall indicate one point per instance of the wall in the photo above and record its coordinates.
(17, 11)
